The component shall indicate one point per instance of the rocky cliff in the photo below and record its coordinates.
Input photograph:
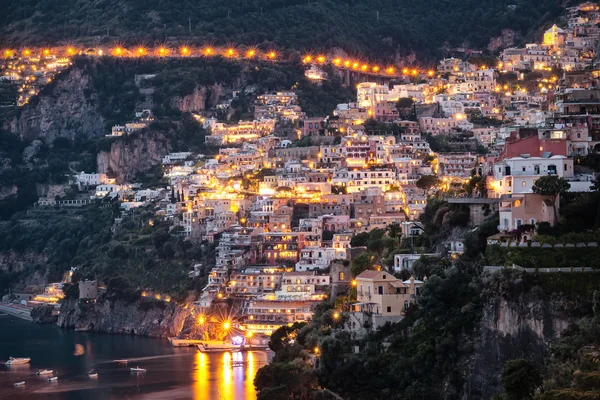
(65, 108)
(113, 316)
(201, 98)
(512, 328)
(133, 154)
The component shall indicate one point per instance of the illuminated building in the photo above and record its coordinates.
(381, 298)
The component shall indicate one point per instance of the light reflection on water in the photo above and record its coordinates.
(172, 373)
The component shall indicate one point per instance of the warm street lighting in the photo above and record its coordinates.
(226, 325)
(307, 59)
(317, 350)
(391, 70)
(272, 55)
(337, 61)
(201, 320)
(230, 52)
(354, 282)
(141, 51)
(46, 52)
(250, 53)
(118, 51)
(26, 52)
(376, 68)
(70, 51)
(185, 51)
(162, 51)
(336, 315)
(249, 334)
(208, 51)
(220, 295)
(321, 59)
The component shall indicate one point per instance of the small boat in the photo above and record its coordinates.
(121, 361)
(93, 375)
(138, 369)
(22, 383)
(17, 361)
(44, 372)
(219, 348)
(53, 379)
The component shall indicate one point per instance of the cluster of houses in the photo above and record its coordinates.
(283, 215)
(28, 72)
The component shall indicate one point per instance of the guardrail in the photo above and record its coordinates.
(498, 268)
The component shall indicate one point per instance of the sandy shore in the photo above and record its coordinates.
(23, 313)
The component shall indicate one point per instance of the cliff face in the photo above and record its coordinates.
(121, 317)
(62, 111)
(133, 154)
(201, 98)
(521, 327)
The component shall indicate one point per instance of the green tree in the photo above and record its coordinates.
(426, 182)
(596, 184)
(362, 263)
(551, 186)
(520, 379)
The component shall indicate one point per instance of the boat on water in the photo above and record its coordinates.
(22, 383)
(138, 369)
(121, 361)
(219, 348)
(53, 379)
(17, 361)
(93, 374)
(44, 372)
(177, 342)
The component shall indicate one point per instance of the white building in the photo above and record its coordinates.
(315, 258)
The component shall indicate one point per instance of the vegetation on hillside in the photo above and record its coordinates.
(136, 254)
(376, 28)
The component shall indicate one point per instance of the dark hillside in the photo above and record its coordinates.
(369, 28)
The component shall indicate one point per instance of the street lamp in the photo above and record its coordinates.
(226, 325)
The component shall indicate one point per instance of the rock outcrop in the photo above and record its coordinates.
(66, 108)
(43, 314)
(114, 316)
(201, 98)
(131, 155)
(512, 328)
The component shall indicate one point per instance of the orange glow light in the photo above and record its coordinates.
(208, 51)
(230, 52)
(347, 63)
(321, 59)
(376, 68)
(118, 51)
(46, 52)
(70, 51)
(390, 70)
(405, 71)
(185, 51)
(355, 65)
(337, 61)
(307, 59)
(364, 67)
(141, 51)
(430, 73)
(250, 53)
(163, 51)
(26, 52)
(272, 55)
(8, 53)
(415, 72)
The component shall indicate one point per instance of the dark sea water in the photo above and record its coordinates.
(172, 373)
